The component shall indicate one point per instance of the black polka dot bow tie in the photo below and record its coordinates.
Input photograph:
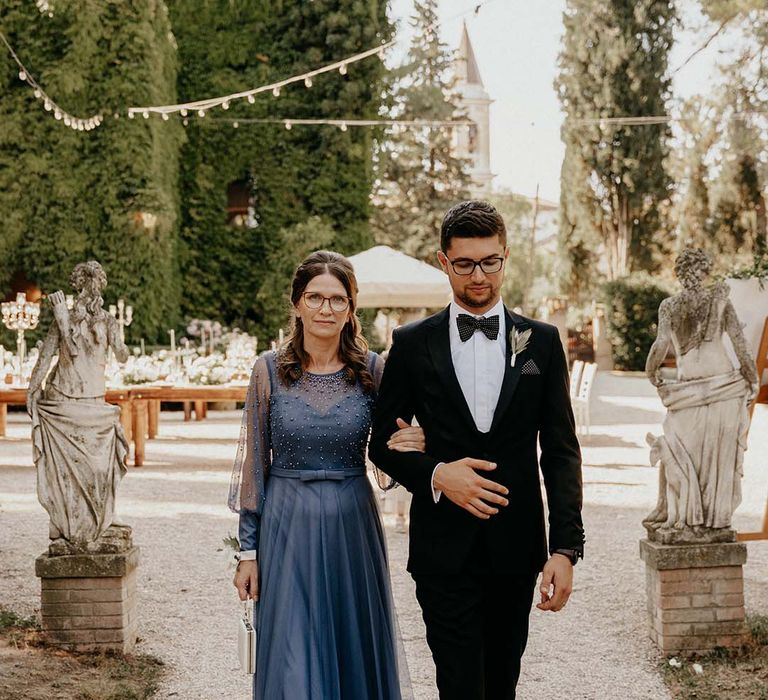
(469, 324)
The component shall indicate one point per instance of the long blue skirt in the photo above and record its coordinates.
(325, 619)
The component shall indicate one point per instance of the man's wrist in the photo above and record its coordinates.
(436, 492)
(573, 555)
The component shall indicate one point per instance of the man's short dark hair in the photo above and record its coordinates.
(472, 219)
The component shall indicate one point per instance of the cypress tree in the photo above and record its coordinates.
(418, 175)
(613, 63)
(110, 193)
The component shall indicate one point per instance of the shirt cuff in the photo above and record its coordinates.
(247, 555)
(436, 493)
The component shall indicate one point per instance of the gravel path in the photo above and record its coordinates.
(596, 648)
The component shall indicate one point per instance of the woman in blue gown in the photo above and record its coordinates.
(312, 545)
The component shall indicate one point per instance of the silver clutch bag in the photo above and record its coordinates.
(246, 639)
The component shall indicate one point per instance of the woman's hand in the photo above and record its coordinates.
(247, 579)
(410, 438)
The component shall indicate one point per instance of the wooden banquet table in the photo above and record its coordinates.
(140, 407)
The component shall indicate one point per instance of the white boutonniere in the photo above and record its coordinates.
(518, 342)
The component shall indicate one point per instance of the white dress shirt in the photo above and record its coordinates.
(479, 366)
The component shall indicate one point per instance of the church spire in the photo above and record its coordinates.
(467, 70)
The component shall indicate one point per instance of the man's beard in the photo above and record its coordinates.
(476, 302)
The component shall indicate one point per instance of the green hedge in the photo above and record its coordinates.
(632, 305)
(68, 196)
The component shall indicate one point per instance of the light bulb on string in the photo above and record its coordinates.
(67, 121)
(130, 115)
(146, 114)
(165, 117)
(235, 125)
(343, 126)
(57, 115)
(225, 105)
(251, 99)
(308, 81)
(288, 125)
(185, 121)
(22, 75)
(47, 106)
(343, 69)
(276, 91)
(201, 113)
(37, 93)
(183, 112)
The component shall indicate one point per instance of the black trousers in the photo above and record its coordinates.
(477, 628)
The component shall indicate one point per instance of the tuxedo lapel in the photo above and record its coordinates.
(439, 344)
(511, 374)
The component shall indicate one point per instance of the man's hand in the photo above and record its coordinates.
(466, 488)
(410, 438)
(556, 583)
(247, 579)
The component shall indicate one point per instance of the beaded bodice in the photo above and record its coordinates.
(319, 422)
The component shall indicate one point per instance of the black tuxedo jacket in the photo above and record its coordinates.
(419, 380)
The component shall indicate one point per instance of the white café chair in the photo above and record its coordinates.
(576, 370)
(581, 401)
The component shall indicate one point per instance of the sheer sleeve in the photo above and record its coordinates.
(251, 467)
(376, 366)
(377, 370)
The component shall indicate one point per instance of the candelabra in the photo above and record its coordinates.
(20, 315)
(123, 314)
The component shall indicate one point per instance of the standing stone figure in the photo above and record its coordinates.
(705, 431)
(78, 442)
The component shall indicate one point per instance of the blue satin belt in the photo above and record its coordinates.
(317, 474)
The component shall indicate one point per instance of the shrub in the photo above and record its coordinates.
(632, 305)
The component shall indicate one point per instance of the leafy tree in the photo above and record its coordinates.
(613, 63)
(418, 176)
(111, 193)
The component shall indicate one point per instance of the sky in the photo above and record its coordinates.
(516, 44)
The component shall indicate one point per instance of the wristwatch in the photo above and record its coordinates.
(573, 554)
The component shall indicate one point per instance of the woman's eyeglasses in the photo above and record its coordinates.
(314, 301)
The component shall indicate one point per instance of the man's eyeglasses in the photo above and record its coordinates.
(314, 301)
(489, 266)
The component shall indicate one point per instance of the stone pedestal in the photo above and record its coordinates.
(695, 595)
(89, 600)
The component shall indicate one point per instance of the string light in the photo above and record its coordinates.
(49, 105)
(45, 7)
(344, 124)
(307, 78)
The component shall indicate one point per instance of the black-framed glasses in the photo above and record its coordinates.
(464, 266)
(315, 300)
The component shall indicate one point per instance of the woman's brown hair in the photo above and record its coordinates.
(353, 348)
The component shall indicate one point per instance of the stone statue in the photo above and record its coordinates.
(79, 448)
(705, 430)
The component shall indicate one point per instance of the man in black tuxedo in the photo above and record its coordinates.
(484, 384)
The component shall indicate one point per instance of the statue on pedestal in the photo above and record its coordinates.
(79, 447)
(701, 451)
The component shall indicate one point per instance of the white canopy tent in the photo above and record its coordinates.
(390, 279)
